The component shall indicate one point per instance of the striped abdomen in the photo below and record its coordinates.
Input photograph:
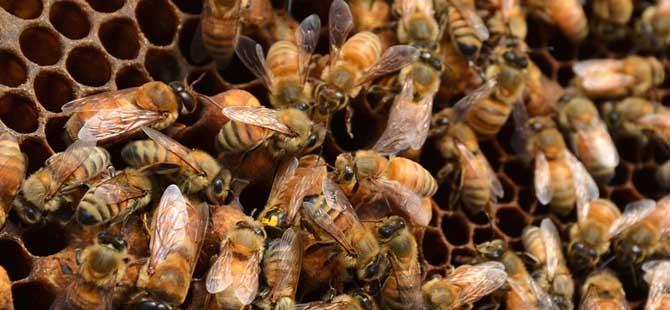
(462, 34)
(488, 116)
(362, 50)
(562, 185)
(219, 35)
(276, 271)
(570, 18)
(99, 207)
(412, 175)
(475, 191)
(399, 289)
(12, 167)
(143, 153)
(235, 137)
(534, 243)
(663, 175)
(90, 163)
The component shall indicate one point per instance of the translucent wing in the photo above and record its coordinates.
(542, 179)
(257, 116)
(552, 244)
(408, 201)
(334, 196)
(293, 258)
(585, 187)
(596, 67)
(6, 136)
(321, 305)
(482, 92)
(220, 275)
(340, 23)
(658, 278)
(98, 102)
(607, 81)
(521, 132)
(169, 226)
(472, 19)
(480, 165)
(307, 36)
(246, 288)
(308, 176)
(394, 58)
(173, 147)
(408, 278)
(111, 123)
(251, 54)
(599, 144)
(477, 281)
(284, 173)
(634, 213)
(506, 8)
(68, 162)
(544, 301)
(659, 124)
(116, 190)
(322, 219)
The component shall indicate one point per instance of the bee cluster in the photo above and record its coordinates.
(358, 154)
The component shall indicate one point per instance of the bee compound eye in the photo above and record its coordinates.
(313, 138)
(218, 186)
(302, 106)
(177, 86)
(348, 173)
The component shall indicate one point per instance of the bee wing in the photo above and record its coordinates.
(408, 201)
(257, 116)
(308, 177)
(472, 19)
(409, 278)
(220, 275)
(110, 123)
(480, 93)
(246, 288)
(321, 305)
(658, 123)
(552, 245)
(68, 162)
(585, 187)
(506, 7)
(307, 37)
(169, 226)
(596, 66)
(6, 136)
(393, 59)
(251, 54)
(544, 300)
(97, 102)
(599, 143)
(173, 147)
(477, 281)
(542, 179)
(284, 173)
(634, 213)
(340, 23)
(323, 220)
(657, 274)
(292, 260)
(605, 81)
(521, 132)
(115, 191)
(481, 166)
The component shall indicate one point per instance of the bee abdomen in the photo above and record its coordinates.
(475, 193)
(533, 243)
(563, 188)
(412, 175)
(363, 49)
(94, 210)
(13, 168)
(487, 117)
(237, 137)
(283, 59)
(218, 36)
(143, 153)
(464, 36)
(93, 160)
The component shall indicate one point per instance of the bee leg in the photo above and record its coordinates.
(349, 114)
(145, 224)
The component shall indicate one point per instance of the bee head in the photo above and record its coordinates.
(114, 241)
(582, 255)
(390, 227)
(374, 269)
(151, 305)
(628, 252)
(185, 97)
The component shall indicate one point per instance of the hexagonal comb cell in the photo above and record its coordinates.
(25, 9)
(106, 6)
(13, 69)
(88, 65)
(41, 45)
(120, 38)
(53, 90)
(70, 20)
(19, 113)
(158, 21)
(16, 261)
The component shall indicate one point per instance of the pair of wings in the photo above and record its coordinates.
(552, 246)
(659, 124)
(291, 261)
(473, 20)
(64, 165)
(657, 275)
(527, 289)
(295, 181)
(173, 147)
(408, 277)
(117, 189)
(598, 144)
(637, 211)
(258, 116)
(476, 281)
(177, 228)
(585, 187)
(480, 165)
(601, 75)
(408, 201)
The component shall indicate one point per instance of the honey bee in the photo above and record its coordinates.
(281, 267)
(100, 265)
(560, 179)
(115, 198)
(417, 25)
(332, 212)
(464, 285)
(544, 243)
(400, 181)
(285, 72)
(50, 187)
(355, 301)
(283, 132)
(663, 175)
(588, 137)
(113, 116)
(466, 28)
(602, 290)
(639, 231)
(656, 275)
(6, 301)
(640, 119)
(12, 172)
(612, 78)
(322, 265)
(543, 94)
(590, 236)
(651, 30)
(218, 31)
(567, 15)
(234, 277)
(507, 21)
(476, 182)
(610, 17)
(370, 15)
(177, 231)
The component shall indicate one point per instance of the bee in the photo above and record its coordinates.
(464, 285)
(283, 132)
(476, 182)
(590, 236)
(663, 175)
(656, 275)
(613, 78)
(542, 93)
(52, 186)
(370, 15)
(177, 231)
(355, 301)
(400, 181)
(466, 28)
(651, 31)
(560, 179)
(588, 137)
(332, 212)
(602, 290)
(352, 63)
(507, 21)
(12, 172)
(610, 17)
(544, 243)
(285, 72)
(640, 119)
(322, 265)
(638, 234)
(100, 265)
(112, 116)
(234, 276)
(6, 301)
(567, 15)
(218, 31)
(281, 267)
(115, 198)
(417, 25)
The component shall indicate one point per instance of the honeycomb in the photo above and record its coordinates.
(54, 51)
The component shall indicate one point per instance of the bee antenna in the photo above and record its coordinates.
(605, 263)
(289, 7)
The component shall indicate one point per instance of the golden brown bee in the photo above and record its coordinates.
(282, 28)
(281, 267)
(465, 284)
(588, 137)
(663, 175)
(49, 188)
(651, 30)
(612, 78)
(640, 119)
(100, 266)
(466, 29)
(322, 265)
(284, 73)
(657, 276)
(400, 181)
(507, 21)
(417, 25)
(12, 172)
(603, 290)
(355, 301)
(234, 277)
(370, 15)
(610, 18)
(177, 231)
(567, 15)
(590, 236)
(114, 199)
(282, 132)
(218, 31)
(639, 232)
(542, 92)
(117, 115)
(6, 300)
(473, 178)
(332, 212)
(554, 277)
(560, 179)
